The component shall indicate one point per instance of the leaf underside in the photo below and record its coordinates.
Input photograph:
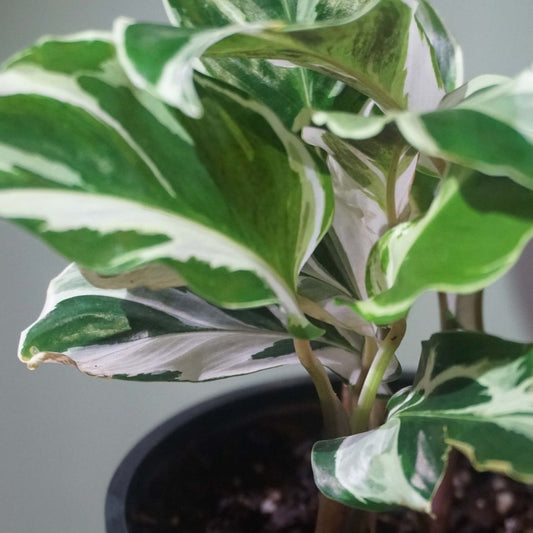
(165, 335)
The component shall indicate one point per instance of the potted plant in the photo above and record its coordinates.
(262, 183)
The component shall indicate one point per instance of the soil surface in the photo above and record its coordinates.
(258, 480)
(482, 503)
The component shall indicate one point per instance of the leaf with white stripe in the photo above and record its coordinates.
(285, 88)
(116, 180)
(372, 180)
(474, 232)
(448, 53)
(490, 131)
(339, 39)
(166, 335)
(472, 392)
(486, 125)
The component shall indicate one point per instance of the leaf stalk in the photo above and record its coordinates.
(469, 311)
(335, 419)
(361, 416)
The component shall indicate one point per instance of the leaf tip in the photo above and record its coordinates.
(37, 358)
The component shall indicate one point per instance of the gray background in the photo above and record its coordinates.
(62, 434)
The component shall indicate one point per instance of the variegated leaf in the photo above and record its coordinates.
(472, 392)
(486, 125)
(474, 232)
(326, 279)
(166, 335)
(358, 126)
(319, 293)
(475, 85)
(448, 54)
(116, 180)
(341, 39)
(372, 180)
(285, 89)
(490, 131)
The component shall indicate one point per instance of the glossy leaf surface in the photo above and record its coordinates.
(285, 90)
(473, 233)
(472, 392)
(340, 39)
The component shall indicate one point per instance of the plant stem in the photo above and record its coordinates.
(335, 419)
(333, 517)
(347, 398)
(469, 311)
(378, 415)
(442, 501)
(444, 310)
(388, 347)
(369, 353)
(392, 216)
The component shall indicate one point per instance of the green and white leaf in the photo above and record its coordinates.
(166, 335)
(372, 180)
(448, 53)
(490, 131)
(339, 39)
(322, 285)
(359, 126)
(472, 392)
(285, 90)
(475, 85)
(116, 180)
(474, 232)
(486, 125)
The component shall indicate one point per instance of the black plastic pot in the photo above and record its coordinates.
(291, 402)
(214, 427)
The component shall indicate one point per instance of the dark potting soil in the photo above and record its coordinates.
(482, 503)
(258, 480)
